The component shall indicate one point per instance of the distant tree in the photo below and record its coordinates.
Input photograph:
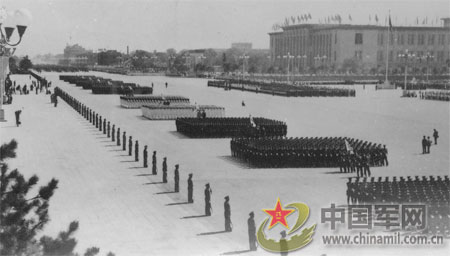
(25, 63)
(110, 254)
(13, 64)
(108, 58)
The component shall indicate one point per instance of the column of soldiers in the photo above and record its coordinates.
(431, 191)
(350, 155)
(230, 127)
(100, 122)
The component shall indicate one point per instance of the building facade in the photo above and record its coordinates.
(339, 47)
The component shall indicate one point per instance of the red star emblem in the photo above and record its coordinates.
(278, 215)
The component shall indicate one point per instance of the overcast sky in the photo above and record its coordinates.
(190, 24)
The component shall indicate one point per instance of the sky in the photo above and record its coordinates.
(191, 24)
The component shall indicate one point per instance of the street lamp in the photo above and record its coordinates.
(20, 18)
(407, 55)
(243, 57)
(288, 57)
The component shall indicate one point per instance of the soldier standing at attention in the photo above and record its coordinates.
(113, 132)
(104, 126)
(177, 178)
(190, 189)
(227, 214)
(136, 151)
(424, 145)
(252, 231)
(164, 169)
(109, 130)
(145, 157)
(100, 124)
(124, 141)
(154, 172)
(96, 120)
(208, 193)
(130, 145)
(118, 136)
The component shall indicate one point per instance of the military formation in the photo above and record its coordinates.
(441, 95)
(100, 85)
(152, 100)
(104, 126)
(282, 88)
(432, 191)
(350, 155)
(230, 127)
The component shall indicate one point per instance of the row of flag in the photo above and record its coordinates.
(338, 19)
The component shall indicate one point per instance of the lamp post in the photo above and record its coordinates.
(406, 56)
(288, 57)
(8, 44)
(243, 58)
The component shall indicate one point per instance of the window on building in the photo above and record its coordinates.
(380, 39)
(391, 55)
(379, 56)
(440, 56)
(391, 38)
(401, 39)
(430, 39)
(358, 55)
(335, 38)
(358, 38)
(421, 39)
(441, 39)
(334, 55)
(411, 38)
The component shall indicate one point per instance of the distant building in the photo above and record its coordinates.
(330, 45)
(242, 46)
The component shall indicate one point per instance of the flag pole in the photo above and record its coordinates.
(386, 81)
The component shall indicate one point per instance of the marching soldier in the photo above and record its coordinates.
(130, 145)
(154, 171)
(252, 231)
(109, 130)
(164, 170)
(113, 133)
(227, 213)
(190, 189)
(145, 156)
(136, 151)
(177, 178)
(124, 141)
(208, 193)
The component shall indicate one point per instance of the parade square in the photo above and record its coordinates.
(123, 208)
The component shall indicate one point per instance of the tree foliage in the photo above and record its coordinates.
(25, 63)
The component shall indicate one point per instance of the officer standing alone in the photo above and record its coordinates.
(177, 178)
(227, 214)
(190, 189)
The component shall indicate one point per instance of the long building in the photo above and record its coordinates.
(303, 47)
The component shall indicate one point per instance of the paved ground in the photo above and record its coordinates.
(124, 209)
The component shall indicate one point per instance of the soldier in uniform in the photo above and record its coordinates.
(190, 189)
(124, 141)
(177, 178)
(118, 136)
(164, 170)
(130, 145)
(113, 133)
(109, 130)
(227, 214)
(100, 123)
(154, 171)
(208, 193)
(252, 231)
(96, 120)
(145, 157)
(435, 136)
(424, 145)
(104, 126)
(136, 151)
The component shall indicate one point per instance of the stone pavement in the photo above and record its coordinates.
(124, 209)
